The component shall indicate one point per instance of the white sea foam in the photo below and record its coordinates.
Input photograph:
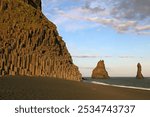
(122, 86)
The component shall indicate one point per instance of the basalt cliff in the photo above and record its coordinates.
(30, 44)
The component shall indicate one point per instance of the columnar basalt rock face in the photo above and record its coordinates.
(100, 71)
(30, 44)
(139, 71)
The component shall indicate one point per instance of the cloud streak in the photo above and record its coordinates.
(108, 56)
(85, 56)
(126, 57)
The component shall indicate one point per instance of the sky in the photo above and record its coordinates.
(116, 31)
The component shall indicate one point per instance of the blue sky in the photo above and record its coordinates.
(116, 31)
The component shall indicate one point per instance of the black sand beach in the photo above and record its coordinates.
(37, 88)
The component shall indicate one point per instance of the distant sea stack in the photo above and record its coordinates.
(30, 44)
(139, 71)
(100, 71)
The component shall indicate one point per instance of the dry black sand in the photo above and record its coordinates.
(33, 88)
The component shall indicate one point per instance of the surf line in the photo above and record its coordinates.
(121, 86)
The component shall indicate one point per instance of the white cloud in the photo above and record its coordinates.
(121, 15)
(141, 28)
(131, 9)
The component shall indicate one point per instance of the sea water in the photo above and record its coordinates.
(126, 82)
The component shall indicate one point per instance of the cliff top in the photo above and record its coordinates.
(6, 4)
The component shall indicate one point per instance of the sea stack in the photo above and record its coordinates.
(139, 71)
(30, 44)
(100, 71)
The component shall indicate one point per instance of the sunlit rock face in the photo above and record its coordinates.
(139, 71)
(30, 44)
(100, 71)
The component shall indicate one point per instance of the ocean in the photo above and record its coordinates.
(125, 82)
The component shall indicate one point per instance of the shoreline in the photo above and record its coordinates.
(119, 86)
